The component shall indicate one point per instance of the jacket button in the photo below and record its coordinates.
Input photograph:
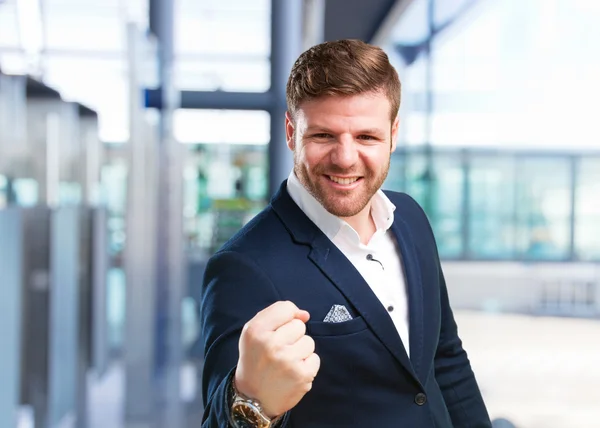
(420, 399)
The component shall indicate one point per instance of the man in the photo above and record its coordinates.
(329, 309)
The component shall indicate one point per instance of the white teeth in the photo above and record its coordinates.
(344, 181)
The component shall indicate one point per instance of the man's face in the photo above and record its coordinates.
(342, 148)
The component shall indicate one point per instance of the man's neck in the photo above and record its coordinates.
(363, 224)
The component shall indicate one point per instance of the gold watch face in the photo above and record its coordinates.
(245, 415)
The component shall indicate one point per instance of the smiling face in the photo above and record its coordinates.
(342, 147)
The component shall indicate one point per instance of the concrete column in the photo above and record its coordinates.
(11, 269)
(139, 340)
(314, 23)
(286, 45)
(170, 245)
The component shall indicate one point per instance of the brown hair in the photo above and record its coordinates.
(342, 68)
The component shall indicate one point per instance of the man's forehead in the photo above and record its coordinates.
(335, 121)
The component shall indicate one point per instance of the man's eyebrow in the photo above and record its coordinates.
(319, 128)
(375, 131)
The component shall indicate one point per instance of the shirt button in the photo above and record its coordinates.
(420, 399)
(390, 308)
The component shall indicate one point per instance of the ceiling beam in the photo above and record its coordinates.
(356, 19)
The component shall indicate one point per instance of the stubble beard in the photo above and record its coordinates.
(341, 203)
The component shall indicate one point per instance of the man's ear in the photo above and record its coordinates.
(395, 127)
(289, 131)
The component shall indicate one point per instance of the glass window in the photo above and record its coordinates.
(440, 193)
(13, 62)
(222, 126)
(496, 80)
(543, 201)
(223, 45)
(413, 127)
(234, 74)
(448, 185)
(114, 195)
(101, 84)
(241, 32)
(587, 209)
(98, 27)
(225, 185)
(445, 11)
(491, 207)
(3, 191)
(396, 176)
(413, 26)
(26, 192)
(9, 25)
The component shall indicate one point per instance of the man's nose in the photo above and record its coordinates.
(345, 153)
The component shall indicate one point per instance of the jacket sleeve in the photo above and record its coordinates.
(454, 374)
(234, 290)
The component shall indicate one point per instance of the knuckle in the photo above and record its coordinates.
(299, 325)
(251, 329)
(317, 364)
(272, 351)
(310, 342)
(291, 368)
(306, 387)
(289, 306)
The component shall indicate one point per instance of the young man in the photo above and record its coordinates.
(329, 309)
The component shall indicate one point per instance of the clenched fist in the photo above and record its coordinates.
(277, 363)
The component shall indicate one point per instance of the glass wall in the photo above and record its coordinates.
(505, 205)
(236, 60)
(543, 208)
(513, 84)
(587, 209)
(499, 143)
(225, 186)
(114, 195)
(439, 190)
(492, 207)
(3, 191)
(225, 176)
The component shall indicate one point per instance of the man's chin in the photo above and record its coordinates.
(341, 209)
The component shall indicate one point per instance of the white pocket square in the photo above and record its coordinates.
(338, 313)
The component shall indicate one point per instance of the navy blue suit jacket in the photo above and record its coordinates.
(366, 378)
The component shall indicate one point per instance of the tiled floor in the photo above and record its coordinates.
(106, 400)
(536, 372)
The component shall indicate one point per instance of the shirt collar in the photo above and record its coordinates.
(382, 210)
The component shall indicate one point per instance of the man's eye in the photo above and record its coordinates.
(366, 137)
(322, 135)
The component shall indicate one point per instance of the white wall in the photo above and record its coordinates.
(519, 287)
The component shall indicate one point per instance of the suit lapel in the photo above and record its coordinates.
(414, 288)
(351, 284)
(335, 266)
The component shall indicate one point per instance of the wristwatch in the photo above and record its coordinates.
(247, 413)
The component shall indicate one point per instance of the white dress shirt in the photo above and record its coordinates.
(384, 272)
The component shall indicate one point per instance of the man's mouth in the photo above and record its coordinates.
(343, 180)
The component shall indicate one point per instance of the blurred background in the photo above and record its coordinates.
(136, 136)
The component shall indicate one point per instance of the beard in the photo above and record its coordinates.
(341, 203)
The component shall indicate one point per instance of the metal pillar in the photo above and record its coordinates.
(11, 269)
(170, 245)
(429, 178)
(286, 44)
(139, 257)
(575, 163)
(314, 23)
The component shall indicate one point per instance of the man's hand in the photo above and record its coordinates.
(277, 363)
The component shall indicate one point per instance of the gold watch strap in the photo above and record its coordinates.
(273, 423)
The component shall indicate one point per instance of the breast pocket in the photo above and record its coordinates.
(319, 329)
